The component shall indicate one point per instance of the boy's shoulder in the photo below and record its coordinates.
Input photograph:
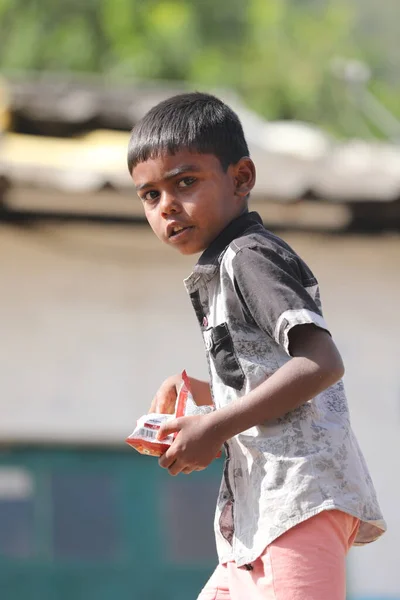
(259, 238)
(256, 248)
(246, 240)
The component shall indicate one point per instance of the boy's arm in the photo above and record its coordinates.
(316, 365)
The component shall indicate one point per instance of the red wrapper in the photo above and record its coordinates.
(144, 436)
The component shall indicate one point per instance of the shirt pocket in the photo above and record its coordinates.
(224, 358)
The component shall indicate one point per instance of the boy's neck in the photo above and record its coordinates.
(231, 231)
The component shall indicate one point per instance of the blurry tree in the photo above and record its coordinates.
(275, 53)
(378, 32)
(292, 45)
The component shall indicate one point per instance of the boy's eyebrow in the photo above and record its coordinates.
(171, 174)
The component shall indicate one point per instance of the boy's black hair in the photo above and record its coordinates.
(195, 121)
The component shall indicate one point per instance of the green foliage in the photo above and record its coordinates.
(275, 53)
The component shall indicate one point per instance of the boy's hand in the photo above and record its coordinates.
(195, 447)
(165, 399)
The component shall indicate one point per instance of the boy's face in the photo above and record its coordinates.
(189, 199)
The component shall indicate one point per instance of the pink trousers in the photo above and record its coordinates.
(305, 563)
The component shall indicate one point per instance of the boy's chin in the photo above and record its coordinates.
(188, 251)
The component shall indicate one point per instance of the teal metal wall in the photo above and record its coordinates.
(84, 524)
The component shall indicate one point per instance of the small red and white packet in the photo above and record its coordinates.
(144, 436)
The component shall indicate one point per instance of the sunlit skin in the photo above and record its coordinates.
(192, 190)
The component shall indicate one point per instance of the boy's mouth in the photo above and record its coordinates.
(178, 230)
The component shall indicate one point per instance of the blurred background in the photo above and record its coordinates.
(93, 312)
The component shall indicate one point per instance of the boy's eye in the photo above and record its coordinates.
(186, 182)
(150, 196)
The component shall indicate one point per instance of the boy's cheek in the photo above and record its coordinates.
(153, 225)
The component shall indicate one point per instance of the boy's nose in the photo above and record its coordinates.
(169, 204)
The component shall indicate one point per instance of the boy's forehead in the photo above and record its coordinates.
(167, 164)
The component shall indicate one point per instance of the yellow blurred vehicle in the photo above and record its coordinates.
(5, 114)
(5, 121)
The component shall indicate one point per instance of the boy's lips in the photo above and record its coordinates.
(181, 235)
(176, 230)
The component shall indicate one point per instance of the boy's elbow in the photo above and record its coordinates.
(333, 370)
(330, 360)
(316, 345)
(338, 372)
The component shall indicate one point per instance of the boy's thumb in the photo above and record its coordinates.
(167, 428)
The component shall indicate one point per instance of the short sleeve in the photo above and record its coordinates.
(277, 291)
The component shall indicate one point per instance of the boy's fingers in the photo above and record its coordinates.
(167, 459)
(175, 469)
(164, 404)
(167, 428)
(158, 404)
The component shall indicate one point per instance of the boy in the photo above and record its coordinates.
(296, 493)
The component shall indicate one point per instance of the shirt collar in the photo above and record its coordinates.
(212, 255)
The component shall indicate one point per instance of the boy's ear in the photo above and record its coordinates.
(244, 173)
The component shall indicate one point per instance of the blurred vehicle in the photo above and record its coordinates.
(5, 108)
(5, 120)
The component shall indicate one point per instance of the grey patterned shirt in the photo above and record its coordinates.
(248, 289)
